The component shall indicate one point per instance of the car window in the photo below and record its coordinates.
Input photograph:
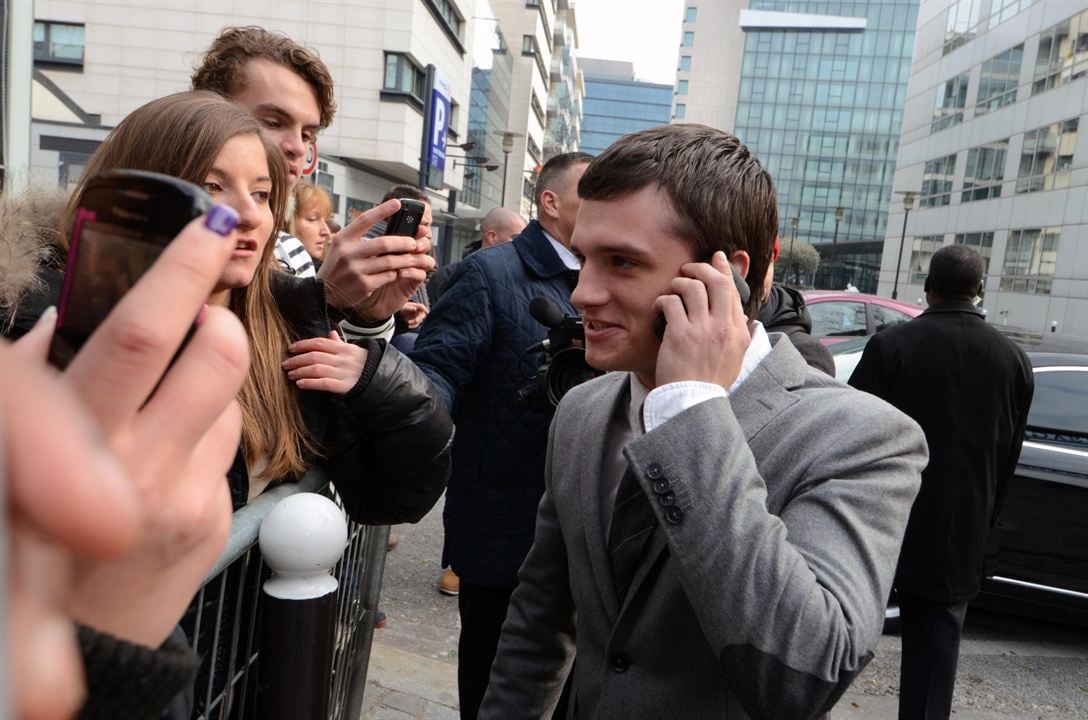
(1059, 402)
(838, 319)
(884, 317)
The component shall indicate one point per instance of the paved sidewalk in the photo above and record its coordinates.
(405, 685)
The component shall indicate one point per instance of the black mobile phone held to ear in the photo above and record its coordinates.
(742, 289)
(406, 220)
(125, 219)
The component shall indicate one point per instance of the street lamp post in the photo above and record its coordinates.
(908, 203)
(793, 236)
(507, 148)
(834, 243)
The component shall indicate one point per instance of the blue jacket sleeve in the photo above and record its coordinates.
(456, 336)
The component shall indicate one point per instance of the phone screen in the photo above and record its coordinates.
(107, 261)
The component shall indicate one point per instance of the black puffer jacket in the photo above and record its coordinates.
(472, 346)
(385, 444)
(785, 312)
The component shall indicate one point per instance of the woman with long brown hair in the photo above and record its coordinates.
(362, 412)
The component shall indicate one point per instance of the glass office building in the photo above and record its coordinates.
(820, 101)
(615, 104)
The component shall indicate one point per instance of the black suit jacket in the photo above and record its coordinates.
(970, 389)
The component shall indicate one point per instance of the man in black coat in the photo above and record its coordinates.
(472, 346)
(970, 388)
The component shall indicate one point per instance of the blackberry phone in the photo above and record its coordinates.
(406, 220)
(124, 220)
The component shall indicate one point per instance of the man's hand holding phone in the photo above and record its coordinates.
(707, 331)
(374, 278)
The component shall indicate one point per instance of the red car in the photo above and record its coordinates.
(838, 315)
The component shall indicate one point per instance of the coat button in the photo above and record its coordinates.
(661, 485)
(668, 498)
(620, 663)
(653, 471)
(673, 515)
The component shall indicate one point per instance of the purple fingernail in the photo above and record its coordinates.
(221, 219)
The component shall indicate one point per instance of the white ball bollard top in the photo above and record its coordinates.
(301, 541)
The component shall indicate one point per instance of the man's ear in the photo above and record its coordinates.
(549, 204)
(742, 262)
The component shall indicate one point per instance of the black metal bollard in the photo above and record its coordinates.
(301, 541)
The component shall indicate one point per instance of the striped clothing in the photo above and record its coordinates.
(292, 256)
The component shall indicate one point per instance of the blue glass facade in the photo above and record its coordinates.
(612, 108)
(822, 109)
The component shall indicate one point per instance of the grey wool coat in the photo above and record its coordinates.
(763, 597)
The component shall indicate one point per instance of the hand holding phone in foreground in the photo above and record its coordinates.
(374, 278)
(118, 503)
(707, 333)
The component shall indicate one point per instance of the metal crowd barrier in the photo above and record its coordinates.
(224, 621)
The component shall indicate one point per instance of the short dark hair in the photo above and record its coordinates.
(555, 170)
(955, 272)
(223, 68)
(406, 191)
(723, 198)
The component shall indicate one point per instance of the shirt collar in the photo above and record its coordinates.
(757, 352)
(563, 251)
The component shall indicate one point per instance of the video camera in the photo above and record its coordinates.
(563, 365)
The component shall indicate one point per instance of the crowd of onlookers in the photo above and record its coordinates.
(712, 527)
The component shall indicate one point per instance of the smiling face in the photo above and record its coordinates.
(286, 105)
(629, 255)
(239, 177)
(310, 228)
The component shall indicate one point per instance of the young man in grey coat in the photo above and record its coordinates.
(720, 522)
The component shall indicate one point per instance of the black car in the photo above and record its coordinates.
(1041, 536)
(1038, 562)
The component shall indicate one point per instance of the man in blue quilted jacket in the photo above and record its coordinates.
(472, 348)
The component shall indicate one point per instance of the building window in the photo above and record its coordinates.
(1030, 259)
(537, 109)
(962, 24)
(999, 79)
(534, 150)
(984, 171)
(1046, 159)
(689, 38)
(690, 14)
(532, 3)
(981, 241)
(448, 14)
(682, 87)
(530, 47)
(1063, 54)
(681, 111)
(58, 42)
(937, 181)
(1002, 10)
(403, 76)
(685, 62)
(920, 255)
(951, 100)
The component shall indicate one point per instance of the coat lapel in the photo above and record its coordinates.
(595, 422)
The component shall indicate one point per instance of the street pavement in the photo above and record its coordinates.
(1010, 668)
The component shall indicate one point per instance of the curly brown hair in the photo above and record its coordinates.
(222, 69)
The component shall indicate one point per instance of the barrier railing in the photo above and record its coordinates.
(224, 621)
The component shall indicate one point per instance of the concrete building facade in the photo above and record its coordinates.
(995, 151)
(97, 60)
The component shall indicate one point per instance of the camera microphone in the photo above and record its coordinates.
(545, 312)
